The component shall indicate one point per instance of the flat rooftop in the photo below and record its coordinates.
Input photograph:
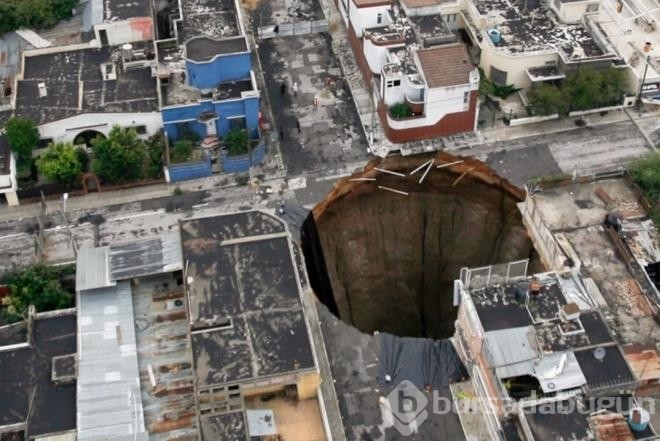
(228, 426)
(536, 31)
(74, 85)
(563, 423)
(498, 308)
(628, 31)
(216, 19)
(176, 92)
(114, 10)
(205, 49)
(576, 213)
(26, 386)
(431, 30)
(244, 302)
(606, 372)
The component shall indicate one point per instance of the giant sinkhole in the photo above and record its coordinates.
(384, 248)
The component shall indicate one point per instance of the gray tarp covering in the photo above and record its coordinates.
(420, 361)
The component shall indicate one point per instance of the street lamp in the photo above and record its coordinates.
(72, 239)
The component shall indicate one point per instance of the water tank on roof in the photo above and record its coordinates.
(638, 419)
(495, 35)
(127, 52)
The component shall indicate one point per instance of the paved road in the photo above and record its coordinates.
(330, 133)
(589, 149)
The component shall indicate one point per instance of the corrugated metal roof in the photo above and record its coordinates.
(109, 404)
(553, 377)
(511, 346)
(146, 257)
(92, 269)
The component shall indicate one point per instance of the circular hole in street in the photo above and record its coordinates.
(383, 254)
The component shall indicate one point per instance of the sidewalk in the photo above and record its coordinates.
(136, 194)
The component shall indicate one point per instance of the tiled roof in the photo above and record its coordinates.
(445, 65)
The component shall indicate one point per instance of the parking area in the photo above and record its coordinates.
(313, 112)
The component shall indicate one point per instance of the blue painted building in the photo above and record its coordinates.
(220, 91)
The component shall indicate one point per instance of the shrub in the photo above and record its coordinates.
(400, 110)
(39, 285)
(181, 151)
(236, 142)
(60, 163)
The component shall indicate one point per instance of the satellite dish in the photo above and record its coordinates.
(599, 353)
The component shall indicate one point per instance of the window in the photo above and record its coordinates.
(379, 18)
(592, 7)
(450, 18)
(498, 76)
(237, 123)
(141, 130)
(393, 83)
(466, 97)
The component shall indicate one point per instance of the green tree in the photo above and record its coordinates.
(155, 147)
(83, 158)
(22, 136)
(181, 151)
(645, 172)
(547, 99)
(120, 157)
(16, 14)
(60, 163)
(237, 142)
(38, 285)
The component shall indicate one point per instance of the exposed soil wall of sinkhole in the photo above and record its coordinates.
(386, 261)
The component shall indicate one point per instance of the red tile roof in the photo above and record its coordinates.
(611, 427)
(445, 65)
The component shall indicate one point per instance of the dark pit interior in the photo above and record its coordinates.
(383, 261)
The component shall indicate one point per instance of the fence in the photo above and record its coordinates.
(188, 170)
(293, 28)
(494, 274)
(242, 163)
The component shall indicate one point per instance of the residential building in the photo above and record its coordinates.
(38, 361)
(76, 93)
(206, 83)
(631, 29)
(409, 57)
(116, 22)
(203, 331)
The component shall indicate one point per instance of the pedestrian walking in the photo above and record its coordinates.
(281, 135)
(283, 89)
(316, 103)
(298, 125)
(295, 89)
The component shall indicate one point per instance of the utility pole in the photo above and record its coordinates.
(641, 85)
(72, 239)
